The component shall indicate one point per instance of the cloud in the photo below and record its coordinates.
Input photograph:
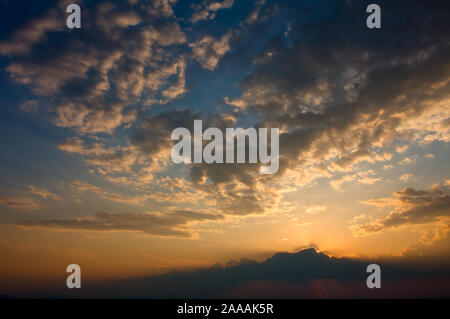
(163, 191)
(257, 13)
(19, 203)
(315, 209)
(208, 10)
(235, 189)
(364, 177)
(90, 80)
(305, 273)
(172, 224)
(402, 148)
(45, 193)
(122, 164)
(405, 177)
(34, 31)
(115, 197)
(412, 207)
(153, 135)
(30, 106)
(208, 51)
(406, 160)
(342, 99)
(116, 159)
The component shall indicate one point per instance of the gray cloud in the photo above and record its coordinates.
(233, 186)
(335, 93)
(118, 58)
(208, 10)
(19, 203)
(341, 91)
(412, 207)
(287, 275)
(173, 224)
(338, 93)
(153, 135)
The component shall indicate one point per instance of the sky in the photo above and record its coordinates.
(86, 175)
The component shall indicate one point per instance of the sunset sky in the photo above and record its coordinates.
(86, 117)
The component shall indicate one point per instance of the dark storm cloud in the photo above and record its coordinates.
(173, 224)
(299, 270)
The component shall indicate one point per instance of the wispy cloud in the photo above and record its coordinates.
(171, 224)
(19, 203)
(412, 207)
(43, 192)
(208, 10)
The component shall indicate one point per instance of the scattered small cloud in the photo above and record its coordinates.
(405, 161)
(208, 51)
(19, 203)
(405, 177)
(314, 209)
(208, 10)
(402, 148)
(44, 193)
